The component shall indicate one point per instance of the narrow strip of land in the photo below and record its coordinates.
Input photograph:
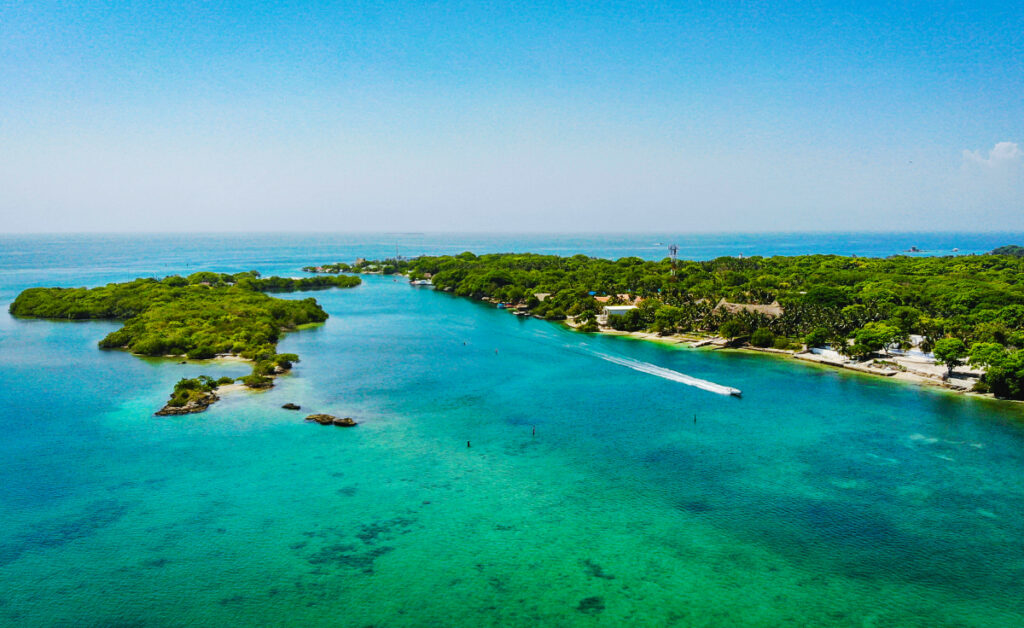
(962, 317)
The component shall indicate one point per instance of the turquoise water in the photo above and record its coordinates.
(819, 498)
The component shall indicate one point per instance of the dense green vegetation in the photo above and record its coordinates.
(860, 306)
(387, 267)
(339, 267)
(194, 389)
(1010, 249)
(199, 316)
(286, 284)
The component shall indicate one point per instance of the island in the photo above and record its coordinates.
(1011, 249)
(876, 315)
(192, 395)
(201, 316)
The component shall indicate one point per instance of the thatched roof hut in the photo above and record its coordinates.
(771, 310)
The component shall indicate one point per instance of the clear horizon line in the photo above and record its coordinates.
(513, 233)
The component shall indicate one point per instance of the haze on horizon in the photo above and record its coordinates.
(511, 116)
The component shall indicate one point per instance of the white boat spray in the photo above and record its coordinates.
(651, 369)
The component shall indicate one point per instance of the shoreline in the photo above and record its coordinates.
(907, 371)
(233, 388)
(207, 399)
(712, 343)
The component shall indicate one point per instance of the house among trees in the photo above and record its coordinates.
(617, 310)
(619, 298)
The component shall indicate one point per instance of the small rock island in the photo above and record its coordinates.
(193, 395)
(327, 419)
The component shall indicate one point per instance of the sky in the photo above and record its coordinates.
(511, 116)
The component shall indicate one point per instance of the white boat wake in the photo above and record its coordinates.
(669, 374)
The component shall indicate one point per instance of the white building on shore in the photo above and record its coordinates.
(617, 310)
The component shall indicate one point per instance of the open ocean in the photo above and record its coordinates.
(821, 497)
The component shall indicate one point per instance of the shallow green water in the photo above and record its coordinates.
(819, 498)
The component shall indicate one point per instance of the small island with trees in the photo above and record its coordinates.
(958, 310)
(201, 316)
(1010, 249)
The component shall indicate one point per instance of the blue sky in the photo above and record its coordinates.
(525, 116)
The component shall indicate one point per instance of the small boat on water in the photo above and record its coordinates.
(421, 282)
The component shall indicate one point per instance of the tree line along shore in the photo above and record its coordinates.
(961, 310)
(201, 316)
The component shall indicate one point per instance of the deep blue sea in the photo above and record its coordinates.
(592, 494)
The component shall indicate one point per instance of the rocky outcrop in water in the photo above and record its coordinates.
(291, 406)
(326, 419)
(194, 405)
